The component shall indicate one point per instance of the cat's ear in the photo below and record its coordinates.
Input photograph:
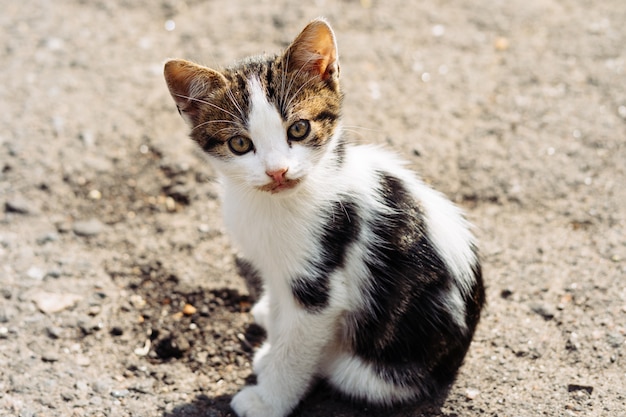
(188, 84)
(314, 51)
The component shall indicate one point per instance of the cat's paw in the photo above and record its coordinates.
(250, 403)
(261, 359)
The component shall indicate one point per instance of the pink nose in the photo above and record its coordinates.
(277, 175)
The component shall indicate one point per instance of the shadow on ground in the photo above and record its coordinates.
(318, 403)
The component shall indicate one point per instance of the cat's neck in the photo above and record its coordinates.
(264, 225)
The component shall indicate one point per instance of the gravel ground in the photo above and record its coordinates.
(120, 292)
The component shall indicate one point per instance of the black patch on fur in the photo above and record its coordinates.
(313, 141)
(340, 151)
(210, 143)
(242, 83)
(269, 75)
(475, 304)
(326, 115)
(313, 291)
(406, 331)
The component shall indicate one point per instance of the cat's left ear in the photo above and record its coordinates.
(189, 83)
(315, 51)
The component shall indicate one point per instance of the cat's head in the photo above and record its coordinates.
(267, 122)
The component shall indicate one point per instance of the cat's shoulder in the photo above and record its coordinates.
(371, 156)
(372, 162)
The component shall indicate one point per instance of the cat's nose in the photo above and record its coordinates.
(278, 175)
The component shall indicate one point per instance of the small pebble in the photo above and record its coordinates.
(579, 387)
(19, 206)
(54, 332)
(506, 293)
(7, 313)
(87, 137)
(68, 396)
(137, 301)
(189, 310)
(471, 393)
(143, 387)
(81, 386)
(48, 237)
(120, 393)
(8, 294)
(144, 350)
(94, 310)
(50, 356)
(63, 226)
(544, 310)
(96, 401)
(35, 273)
(95, 195)
(101, 387)
(53, 273)
(179, 193)
(573, 342)
(49, 302)
(170, 204)
(91, 227)
(90, 326)
(615, 339)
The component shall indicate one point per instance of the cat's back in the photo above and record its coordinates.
(392, 197)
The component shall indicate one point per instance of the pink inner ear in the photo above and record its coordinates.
(187, 82)
(179, 76)
(314, 50)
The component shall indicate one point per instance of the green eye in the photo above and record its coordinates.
(240, 145)
(299, 130)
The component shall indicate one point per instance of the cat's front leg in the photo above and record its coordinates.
(249, 402)
(261, 311)
(288, 363)
(261, 358)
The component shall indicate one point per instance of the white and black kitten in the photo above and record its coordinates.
(371, 279)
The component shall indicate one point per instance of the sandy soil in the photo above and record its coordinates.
(120, 293)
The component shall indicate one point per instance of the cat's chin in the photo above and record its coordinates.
(280, 188)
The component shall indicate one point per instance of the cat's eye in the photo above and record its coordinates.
(299, 130)
(240, 145)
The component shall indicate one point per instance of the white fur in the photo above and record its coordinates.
(274, 232)
(350, 375)
(450, 233)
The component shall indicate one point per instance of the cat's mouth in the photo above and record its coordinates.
(277, 187)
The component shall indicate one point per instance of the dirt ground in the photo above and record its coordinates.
(120, 293)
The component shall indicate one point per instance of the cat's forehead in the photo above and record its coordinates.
(263, 67)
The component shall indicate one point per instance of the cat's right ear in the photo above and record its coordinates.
(315, 51)
(188, 84)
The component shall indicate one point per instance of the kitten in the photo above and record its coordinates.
(371, 279)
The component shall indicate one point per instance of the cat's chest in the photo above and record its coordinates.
(278, 238)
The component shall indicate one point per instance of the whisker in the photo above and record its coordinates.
(354, 127)
(214, 121)
(207, 103)
(235, 131)
(283, 79)
(231, 96)
(293, 79)
(299, 89)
